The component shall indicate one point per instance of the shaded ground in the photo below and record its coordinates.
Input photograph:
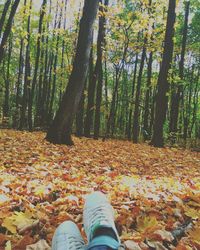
(155, 192)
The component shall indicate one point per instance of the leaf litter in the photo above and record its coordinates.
(155, 192)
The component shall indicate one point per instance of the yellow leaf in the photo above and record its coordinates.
(146, 223)
(8, 223)
(17, 221)
(8, 245)
(195, 235)
(192, 213)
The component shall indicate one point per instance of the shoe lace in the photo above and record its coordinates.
(100, 213)
(73, 243)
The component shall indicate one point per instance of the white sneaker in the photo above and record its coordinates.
(98, 213)
(68, 237)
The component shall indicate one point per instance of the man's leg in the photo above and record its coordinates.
(98, 218)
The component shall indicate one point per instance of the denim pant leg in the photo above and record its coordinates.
(100, 248)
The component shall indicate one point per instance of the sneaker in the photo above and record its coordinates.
(68, 237)
(98, 213)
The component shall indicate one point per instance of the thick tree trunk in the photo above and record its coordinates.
(80, 114)
(60, 130)
(8, 28)
(163, 84)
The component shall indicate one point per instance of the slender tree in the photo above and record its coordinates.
(6, 107)
(129, 130)
(37, 60)
(179, 93)
(147, 98)
(136, 116)
(99, 67)
(3, 15)
(8, 28)
(27, 74)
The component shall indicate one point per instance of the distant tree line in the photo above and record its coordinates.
(126, 69)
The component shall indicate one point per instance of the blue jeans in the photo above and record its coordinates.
(100, 248)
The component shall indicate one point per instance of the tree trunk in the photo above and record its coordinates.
(91, 95)
(54, 70)
(80, 115)
(27, 75)
(132, 98)
(147, 98)
(8, 28)
(20, 72)
(6, 107)
(4, 13)
(60, 129)
(100, 45)
(179, 94)
(136, 116)
(37, 60)
(163, 84)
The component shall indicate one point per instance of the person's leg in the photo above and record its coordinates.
(67, 237)
(98, 218)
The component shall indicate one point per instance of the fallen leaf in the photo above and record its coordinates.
(40, 245)
(195, 235)
(131, 245)
(8, 245)
(156, 245)
(162, 235)
(192, 213)
(146, 223)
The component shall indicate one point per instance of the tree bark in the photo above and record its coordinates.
(147, 98)
(163, 84)
(4, 13)
(80, 114)
(8, 28)
(60, 129)
(37, 60)
(136, 116)
(100, 45)
(91, 94)
(6, 106)
(132, 98)
(179, 94)
(27, 75)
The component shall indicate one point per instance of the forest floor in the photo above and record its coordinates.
(155, 192)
